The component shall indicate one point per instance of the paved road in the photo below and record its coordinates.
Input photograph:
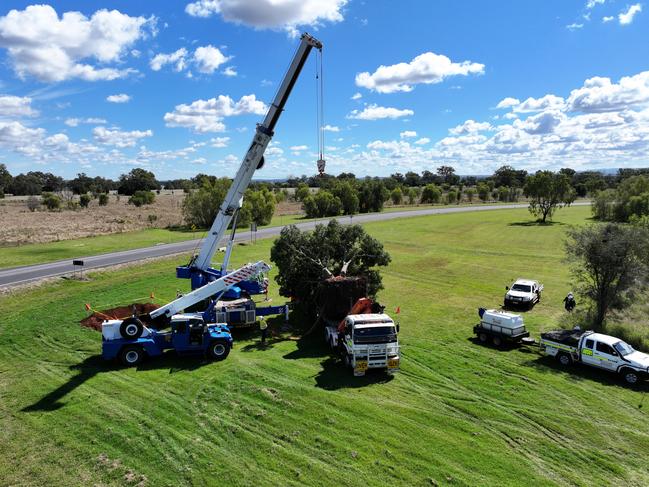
(21, 275)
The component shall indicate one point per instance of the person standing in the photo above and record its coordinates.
(263, 326)
(569, 302)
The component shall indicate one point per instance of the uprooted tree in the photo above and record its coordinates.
(305, 259)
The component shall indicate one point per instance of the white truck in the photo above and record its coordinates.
(500, 327)
(523, 293)
(366, 341)
(596, 350)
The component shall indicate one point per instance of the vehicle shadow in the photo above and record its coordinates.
(95, 365)
(309, 346)
(579, 372)
(334, 375)
(504, 347)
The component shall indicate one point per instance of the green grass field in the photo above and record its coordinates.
(457, 414)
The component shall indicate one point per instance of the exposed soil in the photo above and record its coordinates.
(95, 320)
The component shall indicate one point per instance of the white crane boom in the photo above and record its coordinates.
(254, 158)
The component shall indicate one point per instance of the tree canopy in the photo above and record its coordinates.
(547, 192)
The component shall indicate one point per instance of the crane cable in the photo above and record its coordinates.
(320, 111)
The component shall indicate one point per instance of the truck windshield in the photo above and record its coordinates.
(377, 334)
(623, 348)
(522, 288)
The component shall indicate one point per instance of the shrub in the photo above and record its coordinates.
(397, 196)
(258, 207)
(322, 204)
(51, 201)
(33, 203)
(431, 194)
(84, 200)
(152, 219)
(200, 207)
(103, 199)
(470, 193)
(302, 192)
(483, 192)
(140, 198)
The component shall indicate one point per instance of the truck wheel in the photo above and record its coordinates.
(497, 341)
(347, 360)
(630, 376)
(564, 359)
(131, 328)
(219, 350)
(483, 337)
(131, 355)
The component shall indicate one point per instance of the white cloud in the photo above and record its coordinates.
(119, 138)
(508, 102)
(331, 128)
(375, 112)
(208, 115)
(220, 142)
(230, 71)
(209, 58)
(271, 14)
(546, 102)
(427, 68)
(608, 19)
(574, 26)
(601, 95)
(177, 58)
(542, 123)
(299, 148)
(357, 96)
(121, 98)
(75, 122)
(422, 141)
(53, 49)
(626, 18)
(470, 127)
(591, 3)
(16, 106)
(408, 133)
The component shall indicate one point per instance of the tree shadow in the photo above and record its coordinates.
(534, 223)
(309, 346)
(334, 375)
(95, 365)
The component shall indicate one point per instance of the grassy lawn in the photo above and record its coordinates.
(457, 414)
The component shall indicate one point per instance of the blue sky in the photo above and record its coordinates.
(177, 87)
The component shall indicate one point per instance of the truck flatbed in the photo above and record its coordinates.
(565, 337)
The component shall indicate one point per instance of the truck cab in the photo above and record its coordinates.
(188, 334)
(366, 341)
(523, 293)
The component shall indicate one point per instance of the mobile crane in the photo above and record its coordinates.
(133, 338)
(199, 269)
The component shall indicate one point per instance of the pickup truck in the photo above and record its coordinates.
(523, 293)
(366, 341)
(596, 350)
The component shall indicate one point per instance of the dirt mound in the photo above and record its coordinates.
(94, 320)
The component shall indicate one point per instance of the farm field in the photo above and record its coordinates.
(457, 414)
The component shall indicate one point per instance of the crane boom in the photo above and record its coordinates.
(254, 158)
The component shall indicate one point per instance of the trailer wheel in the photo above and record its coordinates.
(564, 359)
(483, 337)
(131, 355)
(131, 328)
(630, 376)
(219, 350)
(497, 340)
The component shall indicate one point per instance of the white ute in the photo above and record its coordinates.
(369, 341)
(524, 292)
(596, 350)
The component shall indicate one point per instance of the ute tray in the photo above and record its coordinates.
(566, 337)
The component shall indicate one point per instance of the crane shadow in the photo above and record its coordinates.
(95, 365)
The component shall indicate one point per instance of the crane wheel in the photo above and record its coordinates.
(131, 355)
(218, 350)
(131, 328)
